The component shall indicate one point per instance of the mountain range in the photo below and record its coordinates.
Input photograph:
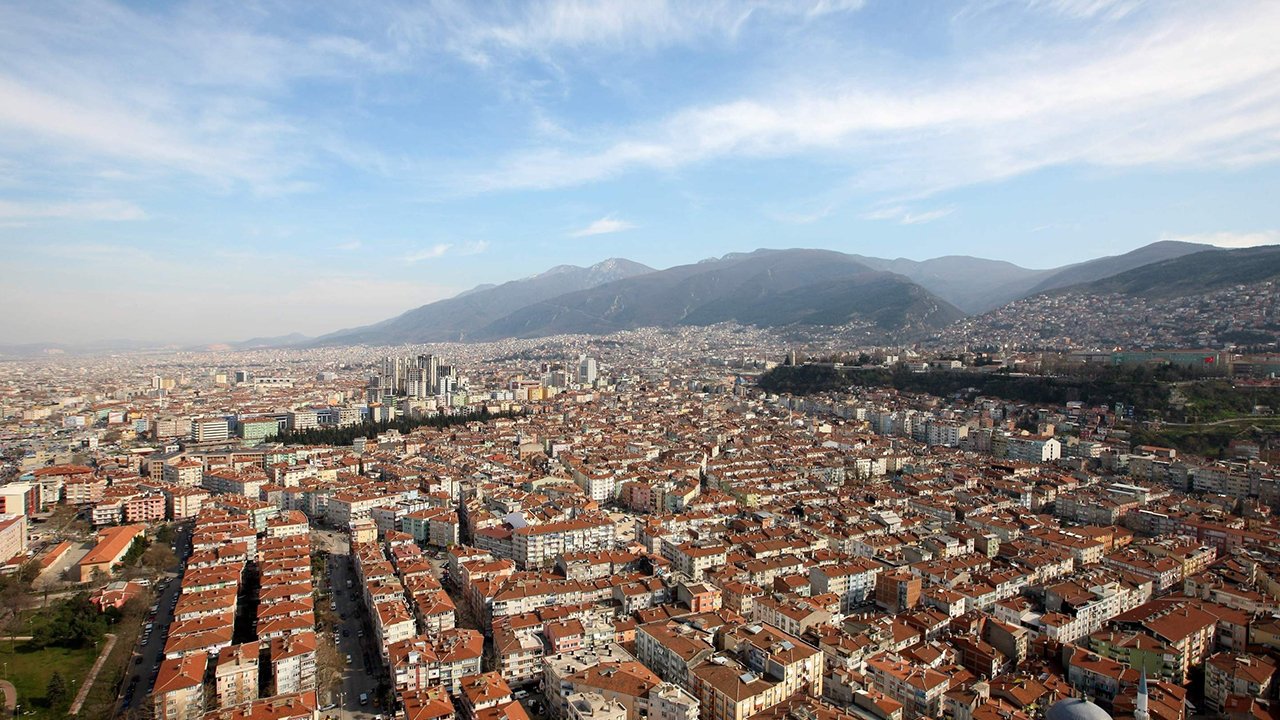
(976, 285)
(771, 288)
(767, 288)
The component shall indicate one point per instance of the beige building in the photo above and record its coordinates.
(293, 663)
(236, 675)
(179, 688)
(13, 536)
(113, 544)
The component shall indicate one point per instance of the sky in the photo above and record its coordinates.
(202, 171)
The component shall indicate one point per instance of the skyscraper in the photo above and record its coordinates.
(586, 370)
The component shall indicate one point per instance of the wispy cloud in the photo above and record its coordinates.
(349, 245)
(540, 28)
(1205, 71)
(88, 210)
(198, 96)
(905, 216)
(428, 253)
(473, 247)
(1085, 9)
(1230, 239)
(603, 226)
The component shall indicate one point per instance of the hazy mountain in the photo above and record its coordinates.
(269, 342)
(1192, 274)
(92, 347)
(977, 285)
(1104, 267)
(479, 288)
(457, 317)
(972, 284)
(766, 287)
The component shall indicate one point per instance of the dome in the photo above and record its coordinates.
(1076, 709)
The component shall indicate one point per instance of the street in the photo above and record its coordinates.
(143, 665)
(359, 676)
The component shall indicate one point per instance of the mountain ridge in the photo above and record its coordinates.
(766, 287)
(452, 319)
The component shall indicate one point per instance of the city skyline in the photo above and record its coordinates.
(188, 174)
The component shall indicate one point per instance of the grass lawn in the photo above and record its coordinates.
(29, 671)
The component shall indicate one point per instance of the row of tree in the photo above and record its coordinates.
(404, 424)
(1138, 387)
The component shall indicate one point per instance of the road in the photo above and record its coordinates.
(1242, 420)
(360, 675)
(145, 661)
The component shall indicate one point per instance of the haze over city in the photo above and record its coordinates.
(640, 360)
(193, 173)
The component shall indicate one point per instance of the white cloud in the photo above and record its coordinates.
(1085, 9)
(87, 210)
(1194, 88)
(429, 253)
(349, 245)
(481, 36)
(193, 92)
(603, 226)
(473, 247)
(905, 216)
(1230, 239)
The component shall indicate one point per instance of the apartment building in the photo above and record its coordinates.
(919, 688)
(854, 582)
(178, 693)
(694, 560)
(293, 663)
(1241, 675)
(211, 429)
(537, 546)
(236, 675)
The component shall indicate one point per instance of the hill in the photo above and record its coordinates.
(1206, 299)
(972, 284)
(1104, 267)
(1193, 274)
(455, 318)
(766, 288)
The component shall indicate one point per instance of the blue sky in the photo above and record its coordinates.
(207, 171)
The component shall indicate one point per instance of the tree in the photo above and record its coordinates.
(56, 691)
(72, 622)
(29, 572)
(165, 534)
(159, 557)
